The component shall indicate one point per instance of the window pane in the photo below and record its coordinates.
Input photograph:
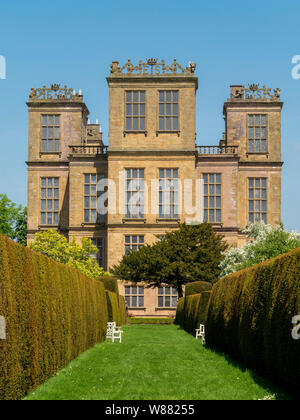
(128, 96)
(160, 301)
(128, 109)
(135, 123)
(168, 96)
(134, 301)
(135, 109)
(44, 145)
(135, 96)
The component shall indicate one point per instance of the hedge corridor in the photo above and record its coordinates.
(249, 317)
(53, 313)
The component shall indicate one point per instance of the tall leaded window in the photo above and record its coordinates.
(134, 243)
(257, 200)
(168, 193)
(135, 194)
(93, 190)
(135, 110)
(99, 243)
(212, 198)
(49, 201)
(134, 296)
(50, 133)
(257, 133)
(167, 297)
(168, 110)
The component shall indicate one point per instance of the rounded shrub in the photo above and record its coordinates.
(197, 287)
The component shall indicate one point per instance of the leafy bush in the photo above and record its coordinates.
(192, 311)
(250, 318)
(197, 287)
(57, 247)
(266, 242)
(53, 313)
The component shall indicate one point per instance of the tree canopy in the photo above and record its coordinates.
(191, 253)
(57, 247)
(13, 220)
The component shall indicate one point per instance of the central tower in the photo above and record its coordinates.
(152, 125)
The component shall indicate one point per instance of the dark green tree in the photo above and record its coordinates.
(191, 253)
(13, 220)
(20, 234)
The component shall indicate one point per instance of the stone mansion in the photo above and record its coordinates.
(152, 176)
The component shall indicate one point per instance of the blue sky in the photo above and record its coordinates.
(74, 42)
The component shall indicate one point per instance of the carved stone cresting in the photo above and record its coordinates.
(254, 92)
(151, 67)
(54, 92)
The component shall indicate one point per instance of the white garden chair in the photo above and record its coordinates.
(117, 334)
(110, 330)
(201, 333)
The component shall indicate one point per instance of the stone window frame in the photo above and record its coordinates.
(172, 115)
(49, 200)
(139, 116)
(135, 299)
(259, 195)
(135, 189)
(45, 139)
(162, 296)
(163, 203)
(133, 244)
(98, 217)
(100, 256)
(261, 139)
(214, 196)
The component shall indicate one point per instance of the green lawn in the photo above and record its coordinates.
(154, 362)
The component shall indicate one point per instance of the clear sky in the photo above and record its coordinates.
(73, 42)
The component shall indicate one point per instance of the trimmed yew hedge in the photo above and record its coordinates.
(250, 318)
(116, 305)
(53, 313)
(197, 287)
(192, 311)
(110, 283)
(122, 311)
